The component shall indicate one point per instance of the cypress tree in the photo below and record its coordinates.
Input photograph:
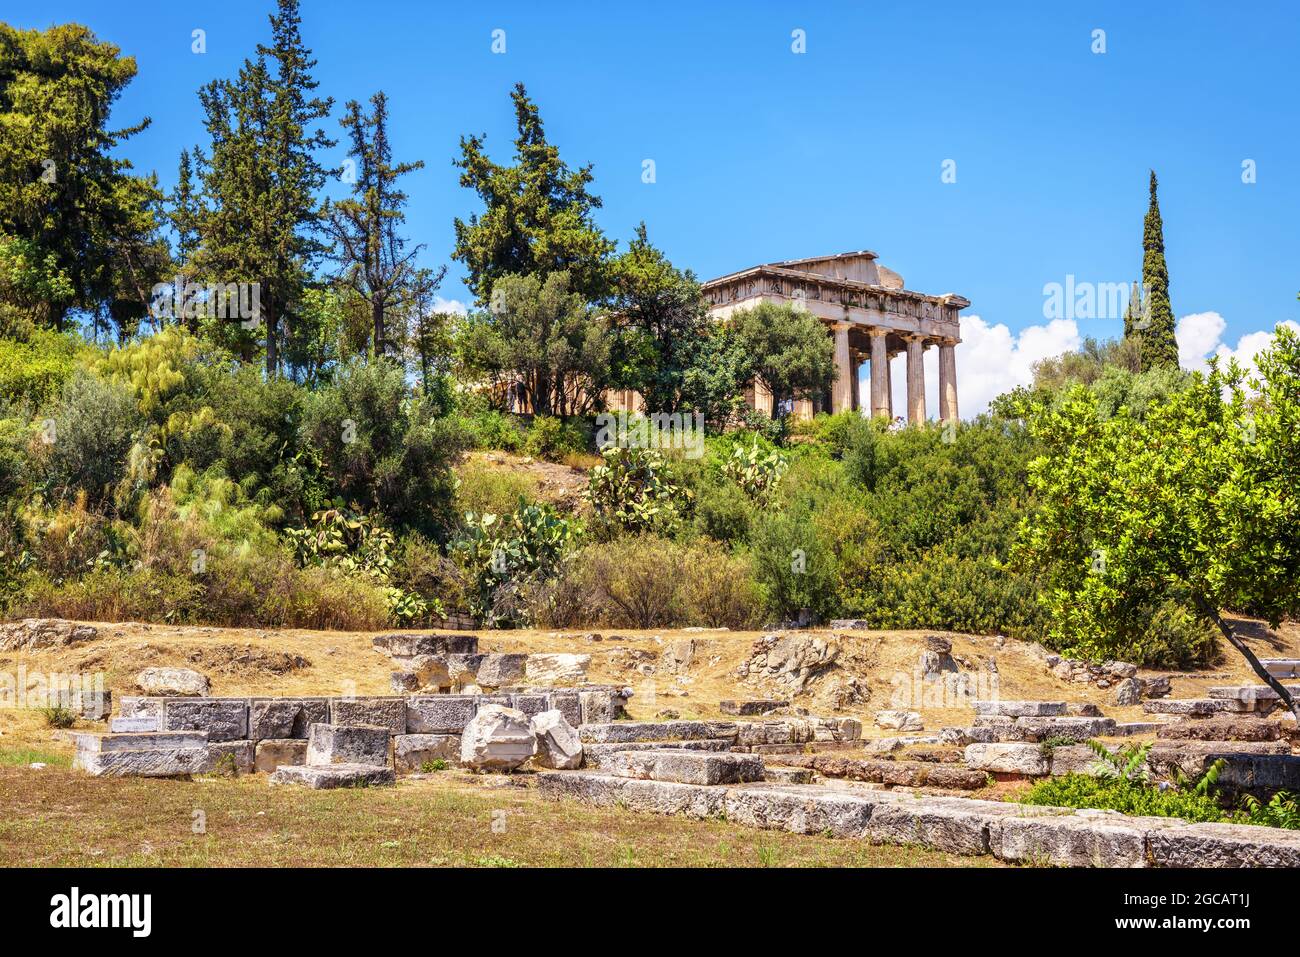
(1159, 348)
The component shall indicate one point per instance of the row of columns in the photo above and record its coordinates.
(844, 396)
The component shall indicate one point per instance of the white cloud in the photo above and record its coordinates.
(990, 360)
(449, 305)
(1199, 337)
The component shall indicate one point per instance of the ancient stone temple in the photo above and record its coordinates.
(872, 318)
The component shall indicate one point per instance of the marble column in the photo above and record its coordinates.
(856, 365)
(762, 398)
(879, 373)
(948, 380)
(842, 394)
(889, 387)
(915, 380)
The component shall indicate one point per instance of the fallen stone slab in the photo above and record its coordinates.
(635, 794)
(1282, 667)
(792, 731)
(271, 753)
(598, 756)
(499, 670)
(378, 712)
(1073, 729)
(781, 774)
(497, 739)
(140, 740)
(1026, 759)
(625, 731)
(752, 707)
(236, 756)
(411, 644)
(894, 773)
(558, 745)
(136, 706)
(178, 682)
(347, 744)
(411, 752)
(224, 719)
(1200, 707)
(899, 720)
(1131, 729)
(1018, 709)
(953, 825)
(684, 766)
(1224, 845)
(285, 717)
(149, 763)
(440, 714)
(1083, 839)
(1251, 692)
(557, 669)
(89, 703)
(1222, 728)
(800, 809)
(1076, 759)
(322, 777)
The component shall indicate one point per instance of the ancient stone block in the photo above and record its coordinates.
(1197, 707)
(1078, 840)
(387, 713)
(497, 739)
(347, 744)
(285, 717)
(656, 797)
(620, 731)
(272, 753)
(530, 704)
(123, 725)
(750, 708)
(150, 763)
(1193, 757)
(232, 755)
(956, 826)
(899, 720)
(224, 719)
(319, 777)
(1025, 759)
(499, 670)
(691, 767)
(1259, 773)
(784, 775)
(598, 707)
(440, 714)
(140, 741)
(568, 703)
(557, 669)
(134, 706)
(806, 809)
(558, 745)
(411, 752)
(410, 644)
(1222, 728)
(1076, 759)
(177, 682)
(1224, 845)
(1075, 729)
(605, 757)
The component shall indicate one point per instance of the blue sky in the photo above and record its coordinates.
(763, 154)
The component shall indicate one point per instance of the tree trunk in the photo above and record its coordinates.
(1255, 666)
(272, 351)
(377, 319)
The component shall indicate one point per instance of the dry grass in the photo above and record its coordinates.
(63, 818)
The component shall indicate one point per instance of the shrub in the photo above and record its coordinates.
(483, 489)
(94, 424)
(651, 582)
(756, 470)
(1123, 795)
(722, 511)
(633, 491)
(58, 717)
(552, 439)
(36, 370)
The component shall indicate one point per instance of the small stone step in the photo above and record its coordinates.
(134, 725)
(1222, 728)
(323, 776)
(749, 708)
(784, 775)
(683, 766)
(1130, 729)
(1022, 709)
(141, 741)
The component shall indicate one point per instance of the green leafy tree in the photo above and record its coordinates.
(86, 228)
(262, 180)
(660, 311)
(1195, 503)
(537, 216)
(377, 264)
(789, 350)
(541, 339)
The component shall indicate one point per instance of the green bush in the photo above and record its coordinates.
(634, 491)
(58, 717)
(1123, 795)
(638, 582)
(93, 427)
(723, 511)
(552, 439)
(482, 489)
(34, 371)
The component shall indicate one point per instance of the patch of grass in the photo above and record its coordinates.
(22, 757)
(437, 764)
(58, 717)
(59, 817)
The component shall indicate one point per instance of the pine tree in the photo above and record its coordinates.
(377, 266)
(263, 179)
(538, 216)
(1156, 330)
